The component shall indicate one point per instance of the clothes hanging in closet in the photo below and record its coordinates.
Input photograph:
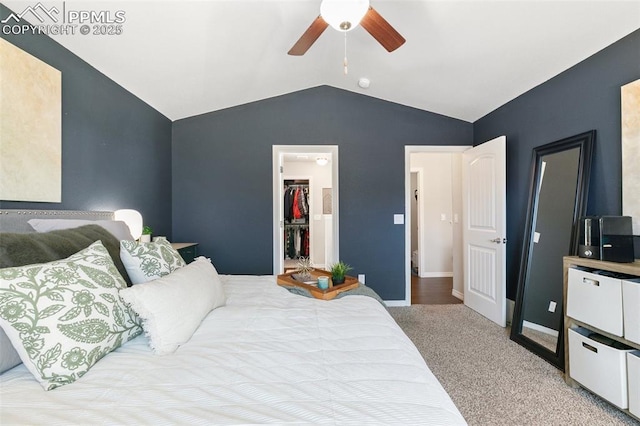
(288, 204)
(296, 241)
(296, 205)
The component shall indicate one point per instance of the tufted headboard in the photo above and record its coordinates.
(17, 220)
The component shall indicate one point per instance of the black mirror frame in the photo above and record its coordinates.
(585, 142)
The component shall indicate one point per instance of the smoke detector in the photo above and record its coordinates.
(364, 83)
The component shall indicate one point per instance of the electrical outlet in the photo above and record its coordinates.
(552, 306)
(361, 278)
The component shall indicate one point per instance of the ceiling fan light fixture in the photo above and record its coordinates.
(343, 15)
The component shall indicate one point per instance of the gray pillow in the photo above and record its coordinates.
(26, 249)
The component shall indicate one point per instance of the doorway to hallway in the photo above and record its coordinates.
(434, 271)
(483, 219)
(426, 216)
(432, 291)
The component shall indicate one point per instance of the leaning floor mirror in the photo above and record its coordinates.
(558, 194)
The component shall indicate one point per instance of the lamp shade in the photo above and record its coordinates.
(343, 15)
(132, 218)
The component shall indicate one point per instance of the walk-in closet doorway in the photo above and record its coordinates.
(305, 205)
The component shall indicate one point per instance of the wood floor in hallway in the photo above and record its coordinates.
(432, 291)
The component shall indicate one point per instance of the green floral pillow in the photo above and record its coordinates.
(63, 316)
(149, 261)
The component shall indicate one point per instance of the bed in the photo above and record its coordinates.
(263, 355)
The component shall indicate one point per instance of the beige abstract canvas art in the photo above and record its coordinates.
(30, 127)
(631, 153)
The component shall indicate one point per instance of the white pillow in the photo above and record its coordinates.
(148, 261)
(63, 316)
(172, 307)
(118, 228)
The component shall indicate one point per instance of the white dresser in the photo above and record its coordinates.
(602, 329)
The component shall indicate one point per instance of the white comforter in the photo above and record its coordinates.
(268, 356)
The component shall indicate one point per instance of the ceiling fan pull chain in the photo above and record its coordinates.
(346, 70)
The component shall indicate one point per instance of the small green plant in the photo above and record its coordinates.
(339, 270)
(146, 230)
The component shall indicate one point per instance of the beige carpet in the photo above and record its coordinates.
(493, 380)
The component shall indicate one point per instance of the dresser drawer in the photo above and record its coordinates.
(633, 376)
(596, 300)
(598, 367)
(631, 309)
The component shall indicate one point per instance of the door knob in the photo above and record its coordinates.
(499, 240)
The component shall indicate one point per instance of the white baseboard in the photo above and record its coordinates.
(458, 295)
(540, 328)
(511, 305)
(396, 303)
(435, 275)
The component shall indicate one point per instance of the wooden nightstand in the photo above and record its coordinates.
(188, 251)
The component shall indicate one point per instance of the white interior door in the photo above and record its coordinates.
(484, 230)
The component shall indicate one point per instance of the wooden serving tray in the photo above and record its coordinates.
(328, 294)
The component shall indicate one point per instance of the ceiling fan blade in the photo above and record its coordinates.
(309, 37)
(381, 30)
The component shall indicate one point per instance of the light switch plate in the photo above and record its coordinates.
(398, 219)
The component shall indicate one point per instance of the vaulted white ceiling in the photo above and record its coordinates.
(462, 59)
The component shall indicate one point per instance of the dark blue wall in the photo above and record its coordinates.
(119, 152)
(222, 176)
(116, 149)
(585, 97)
